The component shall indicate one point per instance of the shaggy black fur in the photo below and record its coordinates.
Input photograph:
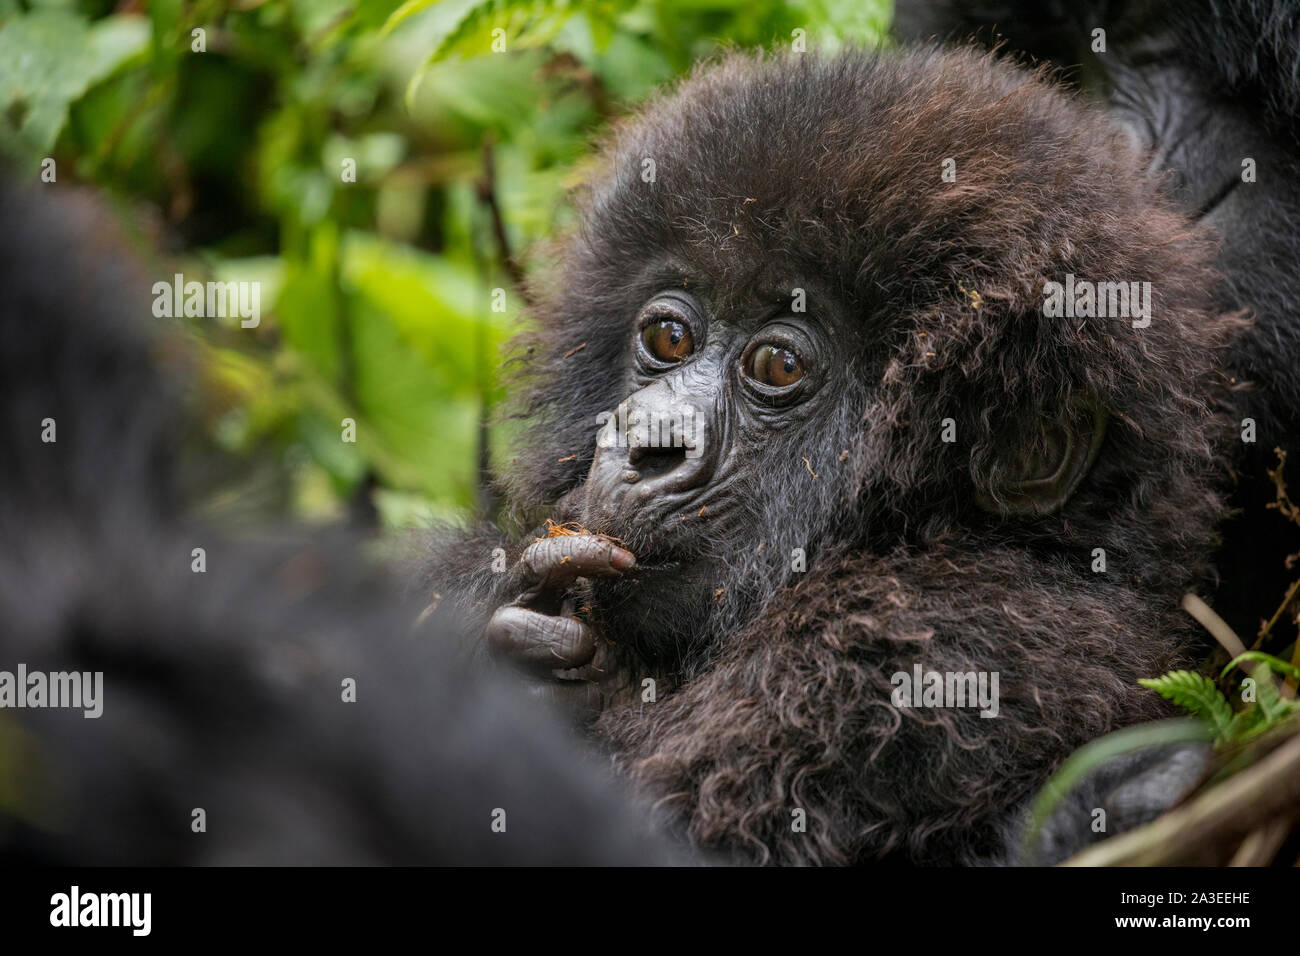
(222, 690)
(1201, 85)
(775, 173)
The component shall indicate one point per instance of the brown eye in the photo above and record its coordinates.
(775, 366)
(668, 340)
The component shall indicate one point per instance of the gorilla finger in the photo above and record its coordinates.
(558, 562)
(539, 641)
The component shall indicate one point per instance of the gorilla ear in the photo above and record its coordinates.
(1041, 474)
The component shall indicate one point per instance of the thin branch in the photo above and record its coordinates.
(1267, 629)
(1288, 508)
(487, 194)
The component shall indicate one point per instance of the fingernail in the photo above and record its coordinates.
(622, 560)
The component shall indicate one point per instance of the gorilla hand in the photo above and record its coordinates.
(538, 632)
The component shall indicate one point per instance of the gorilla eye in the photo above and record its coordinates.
(774, 365)
(668, 340)
(669, 327)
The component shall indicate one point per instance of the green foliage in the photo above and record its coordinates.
(228, 130)
(52, 56)
(1275, 664)
(1264, 709)
(1197, 695)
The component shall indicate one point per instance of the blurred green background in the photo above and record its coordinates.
(376, 294)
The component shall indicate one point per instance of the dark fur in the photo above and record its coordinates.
(222, 690)
(783, 172)
(1201, 84)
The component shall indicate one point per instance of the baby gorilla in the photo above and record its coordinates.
(858, 371)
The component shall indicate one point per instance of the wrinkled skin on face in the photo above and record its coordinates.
(687, 471)
(808, 385)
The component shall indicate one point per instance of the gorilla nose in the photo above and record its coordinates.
(650, 462)
(656, 446)
(666, 445)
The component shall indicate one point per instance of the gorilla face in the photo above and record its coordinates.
(693, 470)
(713, 402)
(800, 333)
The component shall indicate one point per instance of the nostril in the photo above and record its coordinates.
(652, 462)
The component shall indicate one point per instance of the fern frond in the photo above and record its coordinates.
(1196, 694)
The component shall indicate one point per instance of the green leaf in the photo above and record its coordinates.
(415, 434)
(1269, 701)
(526, 23)
(309, 306)
(833, 23)
(1196, 694)
(441, 310)
(48, 59)
(1276, 664)
(407, 10)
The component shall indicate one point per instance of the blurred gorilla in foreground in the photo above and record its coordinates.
(223, 691)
